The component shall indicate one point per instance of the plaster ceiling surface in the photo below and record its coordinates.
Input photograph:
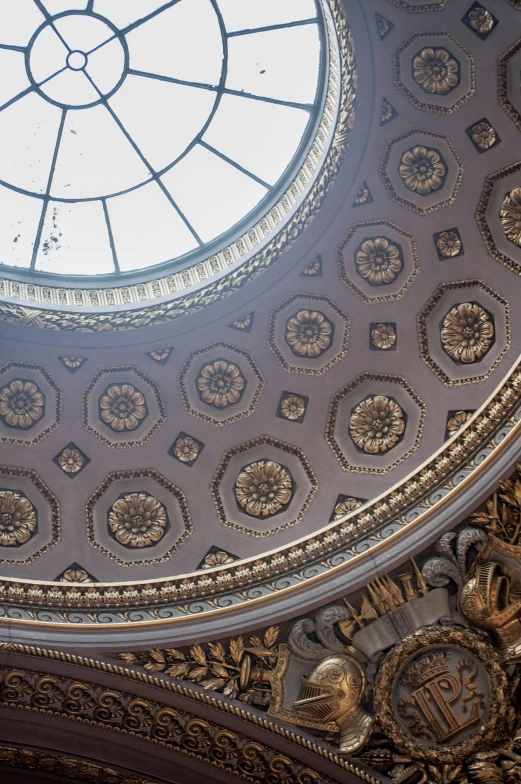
(241, 429)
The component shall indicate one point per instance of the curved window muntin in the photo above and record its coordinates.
(246, 223)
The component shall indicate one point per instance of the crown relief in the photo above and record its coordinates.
(429, 667)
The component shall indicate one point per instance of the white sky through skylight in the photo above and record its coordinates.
(136, 131)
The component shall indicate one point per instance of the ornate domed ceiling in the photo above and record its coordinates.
(220, 439)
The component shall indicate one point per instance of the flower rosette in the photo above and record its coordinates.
(435, 70)
(17, 519)
(122, 407)
(422, 170)
(467, 332)
(379, 261)
(377, 424)
(138, 520)
(221, 383)
(21, 404)
(309, 333)
(263, 488)
(510, 215)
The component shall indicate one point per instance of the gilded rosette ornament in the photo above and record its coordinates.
(264, 488)
(342, 508)
(383, 336)
(21, 404)
(456, 422)
(435, 70)
(309, 333)
(379, 261)
(186, 449)
(122, 407)
(481, 20)
(422, 170)
(75, 575)
(511, 216)
(292, 407)
(377, 424)
(483, 135)
(449, 244)
(17, 519)
(220, 383)
(138, 520)
(70, 460)
(467, 332)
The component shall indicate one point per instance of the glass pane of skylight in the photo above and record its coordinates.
(211, 192)
(282, 64)
(95, 157)
(82, 33)
(20, 19)
(105, 66)
(74, 83)
(75, 240)
(274, 133)
(147, 230)
(19, 219)
(161, 117)
(183, 42)
(47, 56)
(28, 130)
(13, 76)
(59, 6)
(246, 14)
(125, 12)
(121, 100)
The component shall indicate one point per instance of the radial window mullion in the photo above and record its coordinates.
(49, 186)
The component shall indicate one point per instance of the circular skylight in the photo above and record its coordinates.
(137, 132)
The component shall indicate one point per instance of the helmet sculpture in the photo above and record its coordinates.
(485, 602)
(332, 693)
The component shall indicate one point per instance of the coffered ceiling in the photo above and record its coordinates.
(158, 451)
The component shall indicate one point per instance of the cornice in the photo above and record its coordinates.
(165, 712)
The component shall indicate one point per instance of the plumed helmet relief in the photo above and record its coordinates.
(333, 692)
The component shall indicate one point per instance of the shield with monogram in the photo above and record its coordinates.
(441, 694)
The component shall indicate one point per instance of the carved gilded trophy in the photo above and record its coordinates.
(485, 602)
(394, 675)
(333, 692)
